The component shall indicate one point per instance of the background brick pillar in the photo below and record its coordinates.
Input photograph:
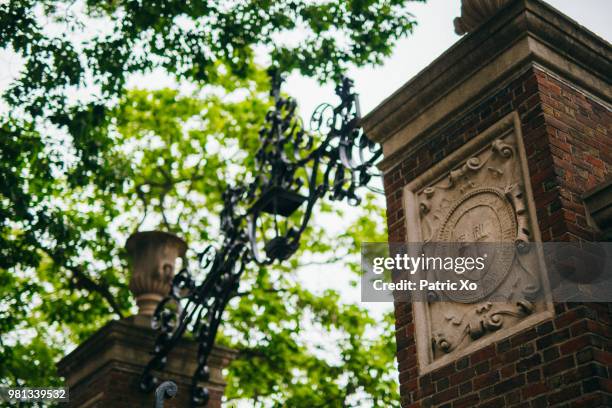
(531, 60)
(105, 370)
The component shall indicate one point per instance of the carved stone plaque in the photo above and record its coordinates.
(478, 194)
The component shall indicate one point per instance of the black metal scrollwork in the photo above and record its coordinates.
(263, 221)
(167, 389)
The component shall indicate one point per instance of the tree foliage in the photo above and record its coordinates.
(84, 162)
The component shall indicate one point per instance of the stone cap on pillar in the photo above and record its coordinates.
(476, 12)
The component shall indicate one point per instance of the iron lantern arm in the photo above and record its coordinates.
(203, 311)
(206, 334)
(167, 338)
(286, 148)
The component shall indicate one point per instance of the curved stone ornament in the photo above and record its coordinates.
(515, 194)
(476, 12)
(485, 318)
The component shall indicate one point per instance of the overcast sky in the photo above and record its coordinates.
(433, 35)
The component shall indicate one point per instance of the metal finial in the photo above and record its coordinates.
(166, 390)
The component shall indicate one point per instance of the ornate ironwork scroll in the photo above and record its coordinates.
(167, 389)
(263, 221)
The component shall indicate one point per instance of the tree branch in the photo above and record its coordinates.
(85, 282)
(82, 281)
(325, 262)
(192, 181)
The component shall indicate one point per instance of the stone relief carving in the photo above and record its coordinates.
(481, 200)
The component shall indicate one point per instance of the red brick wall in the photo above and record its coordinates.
(579, 136)
(118, 385)
(568, 141)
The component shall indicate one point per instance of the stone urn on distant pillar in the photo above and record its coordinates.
(153, 257)
(476, 12)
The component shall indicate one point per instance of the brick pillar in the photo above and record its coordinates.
(532, 78)
(105, 370)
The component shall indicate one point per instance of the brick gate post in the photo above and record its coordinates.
(529, 79)
(104, 371)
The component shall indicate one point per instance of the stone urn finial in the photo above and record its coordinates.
(476, 12)
(153, 258)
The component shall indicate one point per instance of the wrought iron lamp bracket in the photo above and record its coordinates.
(296, 167)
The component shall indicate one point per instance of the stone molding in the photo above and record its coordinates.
(527, 33)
